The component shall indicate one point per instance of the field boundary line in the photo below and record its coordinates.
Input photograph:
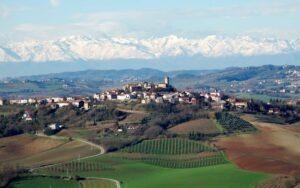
(118, 184)
(102, 150)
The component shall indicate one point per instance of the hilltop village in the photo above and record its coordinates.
(145, 93)
(141, 92)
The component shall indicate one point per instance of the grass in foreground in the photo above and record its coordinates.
(135, 174)
(97, 184)
(43, 182)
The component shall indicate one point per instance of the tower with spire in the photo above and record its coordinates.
(167, 80)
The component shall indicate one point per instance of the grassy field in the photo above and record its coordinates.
(206, 126)
(97, 184)
(167, 146)
(135, 174)
(44, 182)
(264, 98)
(173, 153)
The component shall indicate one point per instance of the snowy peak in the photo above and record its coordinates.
(74, 48)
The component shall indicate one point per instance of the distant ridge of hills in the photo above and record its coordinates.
(113, 74)
(228, 74)
(259, 80)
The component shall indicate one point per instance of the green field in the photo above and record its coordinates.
(44, 182)
(135, 174)
(167, 147)
(95, 183)
(264, 98)
(159, 163)
(174, 153)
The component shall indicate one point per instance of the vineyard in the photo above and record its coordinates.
(168, 153)
(168, 147)
(173, 153)
(77, 166)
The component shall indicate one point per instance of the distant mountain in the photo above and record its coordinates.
(80, 48)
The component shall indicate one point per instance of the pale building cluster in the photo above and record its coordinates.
(59, 102)
(142, 92)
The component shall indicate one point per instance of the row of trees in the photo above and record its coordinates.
(8, 173)
(232, 123)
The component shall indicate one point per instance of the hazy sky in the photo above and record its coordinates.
(49, 19)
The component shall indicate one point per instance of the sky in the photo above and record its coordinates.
(50, 19)
(27, 20)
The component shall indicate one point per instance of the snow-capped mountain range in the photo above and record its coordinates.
(76, 48)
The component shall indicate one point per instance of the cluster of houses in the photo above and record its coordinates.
(56, 102)
(142, 92)
(145, 93)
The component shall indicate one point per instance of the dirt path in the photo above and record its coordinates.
(102, 151)
(132, 111)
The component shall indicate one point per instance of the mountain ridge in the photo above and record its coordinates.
(75, 48)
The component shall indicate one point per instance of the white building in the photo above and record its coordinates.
(58, 99)
(145, 101)
(97, 97)
(62, 104)
(78, 104)
(86, 106)
(27, 116)
(159, 100)
(1, 102)
(111, 96)
(32, 101)
(70, 99)
(55, 126)
(19, 101)
(124, 97)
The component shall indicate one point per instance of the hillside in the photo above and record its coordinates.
(268, 80)
(273, 81)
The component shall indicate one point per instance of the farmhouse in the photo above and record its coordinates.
(55, 126)
(86, 106)
(27, 116)
(62, 104)
(1, 102)
(241, 104)
(18, 101)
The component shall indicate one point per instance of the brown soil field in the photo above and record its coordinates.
(41, 151)
(274, 149)
(279, 182)
(200, 125)
(21, 146)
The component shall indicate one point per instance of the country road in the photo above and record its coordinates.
(101, 149)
